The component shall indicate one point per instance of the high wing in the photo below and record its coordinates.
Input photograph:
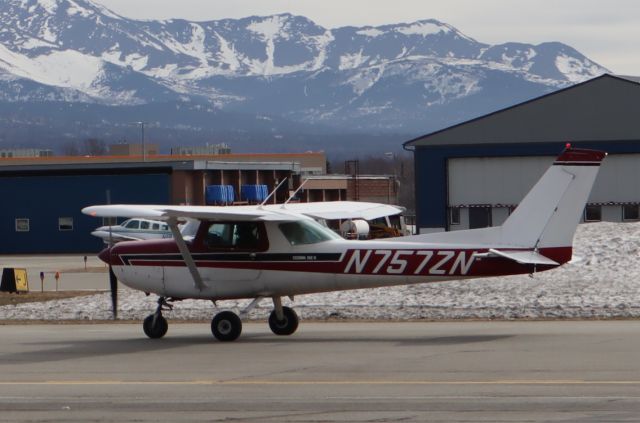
(344, 210)
(318, 210)
(165, 212)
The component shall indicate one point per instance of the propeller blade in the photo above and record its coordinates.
(113, 283)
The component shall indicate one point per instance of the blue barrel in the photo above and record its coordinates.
(254, 193)
(219, 195)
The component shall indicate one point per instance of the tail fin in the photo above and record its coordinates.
(548, 215)
(550, 212)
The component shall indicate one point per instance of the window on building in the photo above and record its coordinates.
(592, 214)
(454, 215)
(630, 212)
(22, 224)
(65, 223)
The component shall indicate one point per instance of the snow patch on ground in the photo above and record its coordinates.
(601, 282)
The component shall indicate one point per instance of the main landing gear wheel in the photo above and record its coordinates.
(226, 326)
(287, 325)
(155, 326)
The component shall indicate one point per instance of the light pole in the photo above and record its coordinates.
(396, 183)
(144, 150)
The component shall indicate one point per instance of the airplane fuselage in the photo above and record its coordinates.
(277, 268)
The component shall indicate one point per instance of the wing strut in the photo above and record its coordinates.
(186, 254)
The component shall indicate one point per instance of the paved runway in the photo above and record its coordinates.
(473, 371)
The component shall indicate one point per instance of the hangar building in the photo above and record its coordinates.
(474, 174)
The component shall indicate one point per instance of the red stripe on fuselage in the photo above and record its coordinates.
(387, 262)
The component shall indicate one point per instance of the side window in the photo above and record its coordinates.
(454, 216)
(144, 225)
(592, 213)
(155, 226)
(22, 224)
(65, 223)
(236, 236)
(306, 232)
(630, 212)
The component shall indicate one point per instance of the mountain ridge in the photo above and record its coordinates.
(395, 78)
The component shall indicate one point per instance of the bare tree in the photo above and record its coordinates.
(95, 147)
(70, 148)
(89, 147)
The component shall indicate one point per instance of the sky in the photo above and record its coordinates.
(606, 32)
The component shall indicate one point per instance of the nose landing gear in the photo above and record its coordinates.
(155, 326)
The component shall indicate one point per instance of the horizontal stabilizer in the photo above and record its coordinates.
(519, 256)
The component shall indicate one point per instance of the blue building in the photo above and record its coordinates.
(42, 199)
(41, 204)
(473, 174)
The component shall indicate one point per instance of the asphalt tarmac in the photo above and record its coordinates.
(346, 372)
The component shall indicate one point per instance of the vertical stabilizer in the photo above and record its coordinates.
(550, 212)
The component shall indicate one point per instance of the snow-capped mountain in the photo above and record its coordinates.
(403, 78)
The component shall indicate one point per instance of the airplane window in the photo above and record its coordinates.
(155, 226)
(165, 227)
(144, 225)
(306, 232)
(219, 235)
(132, 224)
(236, 236)
(246, 235)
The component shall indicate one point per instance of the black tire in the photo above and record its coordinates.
(226, 326)
(157, 330)
(287, 325)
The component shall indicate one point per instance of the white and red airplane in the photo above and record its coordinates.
(259, 252)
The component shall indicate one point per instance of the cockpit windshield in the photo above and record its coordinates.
(131, 224)
(304, 232)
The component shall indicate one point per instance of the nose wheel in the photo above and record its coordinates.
(155, 326)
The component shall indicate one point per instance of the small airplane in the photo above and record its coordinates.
(276, 251)
(133, 230)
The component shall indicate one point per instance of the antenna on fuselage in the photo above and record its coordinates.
(271, 193)
(295, 192)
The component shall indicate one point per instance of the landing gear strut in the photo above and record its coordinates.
(282, 320)
(155, 326)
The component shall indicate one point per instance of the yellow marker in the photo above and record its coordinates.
(22, 282)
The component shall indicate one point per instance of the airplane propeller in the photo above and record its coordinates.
(113, 285)
(105, 255)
